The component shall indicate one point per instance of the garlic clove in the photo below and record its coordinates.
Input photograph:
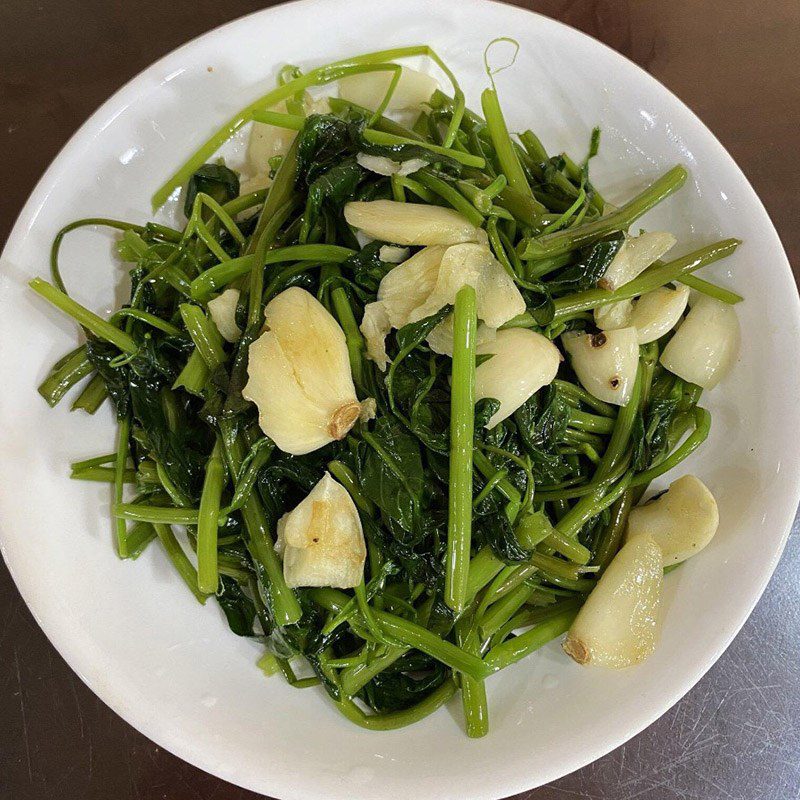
(656, 313)
(387, 166)
(613, 316)
(634, 257)
(408, 285)
(380, 165)
(618, 624)
(409, 223)
(682, 521)
(605, 362)
(704, 348)
(223, 313)
(498, 298)
(321, 540)
(440, 339)
(375, 326)
(522, 362)
(267, 141)
(368, 89)
(299, 375)
(393, 255)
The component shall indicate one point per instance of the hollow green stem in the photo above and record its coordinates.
(179, 559)
(89, 320)
(564, 241)
(208, 522)
(462, 427)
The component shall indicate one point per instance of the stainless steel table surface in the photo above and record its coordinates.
(736, 735)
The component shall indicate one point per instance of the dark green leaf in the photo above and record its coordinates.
(215, 180)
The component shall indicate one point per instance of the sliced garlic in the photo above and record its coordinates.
(409, 223)
(267, 141)
(393, 255)
(618, 625)
(408, 285)
(605, 362)
(498, 298)
(657, 313)
(321, 540)
(368, 89)
(386, 166)
(375, 326)
(223, 314)
(682, 521)
(613, 316)
(704, 348)
(522, 362)
(440, 339)
(299, 375)
(634, 257)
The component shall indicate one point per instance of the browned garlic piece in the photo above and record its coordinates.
(299, 375)
(605, 362)
(682, 521)
(522, 362)
(618, 624)
(321, 540)
(223, 314)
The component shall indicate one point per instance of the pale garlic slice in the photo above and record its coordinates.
(635, 255)
(393, 255)
(321, 540)
(498, 298)
(704, 348)
(368, 89)
(299, 375)
(381, 165)
(223, 314)
(522, 362)
(375, 327)
(409, 223)
(408, 285)
(682, 520)
(605, 362)
(618, 624)
(440, 339)
(265, 142)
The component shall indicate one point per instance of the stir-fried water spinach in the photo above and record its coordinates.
(483, 538)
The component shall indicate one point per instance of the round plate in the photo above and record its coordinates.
(169, 666)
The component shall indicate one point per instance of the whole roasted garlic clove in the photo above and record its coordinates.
(299, 375)
(522, 362)
(634, 257)
(321, 540)
(682, 521)
(618, 624)
(605, 362)
(704, 348)
(409, 223)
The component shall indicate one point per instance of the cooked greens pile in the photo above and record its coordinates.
(434, 454)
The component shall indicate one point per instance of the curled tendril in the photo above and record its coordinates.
(491, 72)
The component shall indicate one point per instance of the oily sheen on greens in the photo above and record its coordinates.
(480, 550)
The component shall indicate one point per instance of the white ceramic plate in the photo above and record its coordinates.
(170, 667)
